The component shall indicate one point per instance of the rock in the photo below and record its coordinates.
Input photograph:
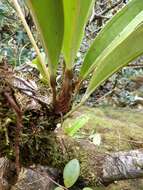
(37, 179)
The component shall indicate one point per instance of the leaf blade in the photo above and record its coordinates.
(126, 47)
(71, 172)
(49, 19)
(58, 188)
(76, 13)
(72, 127)
(108, 34)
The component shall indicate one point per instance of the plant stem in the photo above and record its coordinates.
(73, 110)
(29, 33)
(53, 88)
(64, 99)
(77, 87)
(19, 126)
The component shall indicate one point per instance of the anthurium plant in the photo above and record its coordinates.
(61, 25)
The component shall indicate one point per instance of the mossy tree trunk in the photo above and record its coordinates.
(120, 131)
(99, 164)
(96, 168)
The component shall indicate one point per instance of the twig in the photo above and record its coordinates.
(47, 176)
(103, 3)
(27, 90)
(139, 65)
(19, 126)
(8, 17)
(21, 51)
(38, 99)
(100, 16)
(24, 82)
(111, 7)
(3, 41)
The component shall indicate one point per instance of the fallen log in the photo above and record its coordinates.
(122, 165)
(113, 167)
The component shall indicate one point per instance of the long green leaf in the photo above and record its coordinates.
(127, 46)
(107, 35)
(76, 13)
(49, 19)
(71, 128)
(32, 40)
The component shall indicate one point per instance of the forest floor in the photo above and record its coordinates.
(111, 119)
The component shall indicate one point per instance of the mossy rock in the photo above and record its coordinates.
(119, 129)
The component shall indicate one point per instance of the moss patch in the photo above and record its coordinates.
(120, 130)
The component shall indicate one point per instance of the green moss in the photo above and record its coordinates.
(119, 129)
